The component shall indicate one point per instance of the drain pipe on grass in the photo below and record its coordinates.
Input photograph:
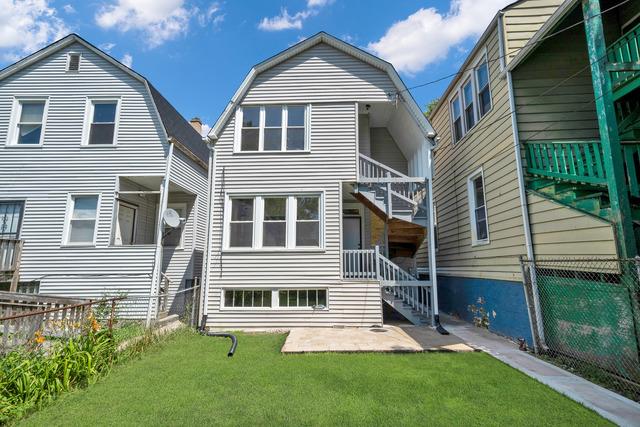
(234, 340)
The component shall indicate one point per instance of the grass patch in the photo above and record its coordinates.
(188, 380)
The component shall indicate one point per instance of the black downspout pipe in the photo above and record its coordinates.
(441, 330)
(234, 340)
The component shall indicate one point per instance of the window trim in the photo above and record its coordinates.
(237, 145)
(16, 112)
(69, 55)
(474, 106)
(88, 120)
(452, 120)
(275, 299)
(472, 207)
(258, 216)
(67, 222)
(457, 92)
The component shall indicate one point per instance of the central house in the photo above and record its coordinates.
(321, 204)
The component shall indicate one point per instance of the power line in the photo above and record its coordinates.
(500, 57)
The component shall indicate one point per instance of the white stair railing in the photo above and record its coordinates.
(359, 264)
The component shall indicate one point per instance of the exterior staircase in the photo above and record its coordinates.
(399, 200)
(401, 290)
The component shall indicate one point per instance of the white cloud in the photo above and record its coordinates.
(427, 35)
(68, 8)
(318, 3)
(284, 21)
(211, 15)
(127, 60)
(158, 20)
(107, 47)
(27, 25)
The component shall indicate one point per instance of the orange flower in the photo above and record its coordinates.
(39, 338)
(95, 325)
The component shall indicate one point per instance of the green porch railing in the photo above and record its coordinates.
(580, 162)
(625, 50)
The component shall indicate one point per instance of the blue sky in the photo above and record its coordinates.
(196, 52)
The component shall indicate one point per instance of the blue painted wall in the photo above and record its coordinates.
(505, 298)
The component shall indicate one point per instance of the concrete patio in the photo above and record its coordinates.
(388, 338)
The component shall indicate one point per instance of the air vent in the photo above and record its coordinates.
(74, 62)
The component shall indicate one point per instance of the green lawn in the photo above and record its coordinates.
(188, 380)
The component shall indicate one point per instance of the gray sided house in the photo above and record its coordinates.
(90, 156)
(321, 194)
(520, 168)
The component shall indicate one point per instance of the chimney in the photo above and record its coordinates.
(197, 124)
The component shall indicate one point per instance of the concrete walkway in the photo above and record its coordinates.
(610, 405)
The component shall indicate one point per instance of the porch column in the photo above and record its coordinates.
(610, 139)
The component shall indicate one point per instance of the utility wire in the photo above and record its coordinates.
(500, 57)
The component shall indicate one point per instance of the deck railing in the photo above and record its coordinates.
(580, 161)
(10, 254)
(625, 50)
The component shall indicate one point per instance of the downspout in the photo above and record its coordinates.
(207, 249)
(157, 263)
(523, 205)
(432, 246)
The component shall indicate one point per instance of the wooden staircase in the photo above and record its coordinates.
(395, 198)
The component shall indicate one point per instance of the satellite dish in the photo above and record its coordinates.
(171, 218)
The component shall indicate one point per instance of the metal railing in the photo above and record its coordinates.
(585, 317)
(625, 50)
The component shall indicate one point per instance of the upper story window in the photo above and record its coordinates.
(272, 128)
(73, 62)
(471, 100)
(275, 221)
(82, 220)
(28, 122)
(478, 208)
(102, 122)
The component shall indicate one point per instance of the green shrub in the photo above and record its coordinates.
(30, 378)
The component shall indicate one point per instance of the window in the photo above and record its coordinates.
(484, 93)
(10, 219)
(30, 122)
(469, 110)
(81, 226)
(73, 62)
(174, 237)
(272, 128)
(308, 221)
(471, 100)
(126, 224)
(247, 298)
(456, 116)
(478, 209)
(316, 298)
(241, 225)
(274, 221)
(103, 122)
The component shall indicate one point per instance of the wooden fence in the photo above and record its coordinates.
(10, 253)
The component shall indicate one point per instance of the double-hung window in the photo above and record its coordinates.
(478, 209)
(275, 221)
(272, 128)
(102, 122)
(484, 92)
(30, 122)
(456, 117)
(81, 224)
(469, 110)
(470, 100)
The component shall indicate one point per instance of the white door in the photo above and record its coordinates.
(351, 232)
(126, 224)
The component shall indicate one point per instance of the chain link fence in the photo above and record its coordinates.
(585, 317)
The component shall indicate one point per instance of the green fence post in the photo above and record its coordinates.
(611, 148)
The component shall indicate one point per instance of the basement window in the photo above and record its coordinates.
(247, 298)
(73, 62)
(302, 298)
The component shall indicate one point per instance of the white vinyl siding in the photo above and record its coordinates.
(330, 82)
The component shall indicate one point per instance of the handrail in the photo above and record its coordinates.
(370, 168)
(371, 264)
(625, 50)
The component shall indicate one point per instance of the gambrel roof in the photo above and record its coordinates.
(342, 46)
(175, 126)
